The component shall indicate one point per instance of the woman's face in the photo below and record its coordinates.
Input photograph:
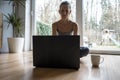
(65, 11)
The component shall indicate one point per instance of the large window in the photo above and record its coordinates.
(46, 12)
(99, 21)
(101, 26)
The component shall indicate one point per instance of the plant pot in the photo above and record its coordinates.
(15, 45)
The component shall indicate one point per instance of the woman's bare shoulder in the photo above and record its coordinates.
(73, 23)
(55, 23)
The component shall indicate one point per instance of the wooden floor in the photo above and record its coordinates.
(19, 66)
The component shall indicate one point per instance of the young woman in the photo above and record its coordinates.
(67, 27)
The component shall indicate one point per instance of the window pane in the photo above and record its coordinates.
(102, 24)
(46, 12)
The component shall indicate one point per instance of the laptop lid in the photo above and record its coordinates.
(56, 51)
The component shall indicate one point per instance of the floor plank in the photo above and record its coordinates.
(19, 66)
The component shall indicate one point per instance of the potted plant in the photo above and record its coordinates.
(16, 42)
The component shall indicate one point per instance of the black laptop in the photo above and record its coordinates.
(56, 51)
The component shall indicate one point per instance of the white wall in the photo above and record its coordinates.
(79, 19)
(28, 25)
(5, 8)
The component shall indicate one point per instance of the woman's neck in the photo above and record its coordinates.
(64, 20)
